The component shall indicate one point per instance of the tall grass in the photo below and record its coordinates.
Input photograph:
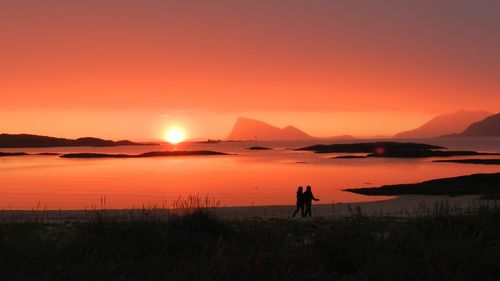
(191, 203)
(442, 243)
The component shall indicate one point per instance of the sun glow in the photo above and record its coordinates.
(175, 135)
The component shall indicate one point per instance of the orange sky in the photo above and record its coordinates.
(122, 68)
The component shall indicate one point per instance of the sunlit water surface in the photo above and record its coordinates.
(246, 178)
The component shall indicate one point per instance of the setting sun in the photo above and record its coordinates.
(175, 135)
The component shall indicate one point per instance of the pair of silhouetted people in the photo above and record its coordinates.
(304, 199)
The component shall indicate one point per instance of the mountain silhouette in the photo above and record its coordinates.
(445, 124)
(248, 129)
(488, 127)
(26, 140)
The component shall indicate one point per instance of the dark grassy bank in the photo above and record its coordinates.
(487, 185)
(440, 246)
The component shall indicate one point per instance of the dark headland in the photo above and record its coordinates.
(5, 154)
(26, 140)
(472, 161)
(143, 155)
(477, 184)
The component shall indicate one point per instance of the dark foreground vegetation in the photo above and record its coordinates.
(142, 155)
(487, 185)
(442, 245)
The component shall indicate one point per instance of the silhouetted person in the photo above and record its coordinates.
(300, 202)
(308, 197)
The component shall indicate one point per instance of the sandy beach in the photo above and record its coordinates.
(402, 206)
(406, 205)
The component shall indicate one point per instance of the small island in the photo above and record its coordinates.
(259, 148)
(368, 147)
(209, 141)
(143, 155)
(349, 157)
(424, 153)
(389, 150)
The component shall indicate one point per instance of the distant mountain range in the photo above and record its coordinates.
(445, 124)
(26, 140)
(458, 124)
(488, 127)
(249, 129)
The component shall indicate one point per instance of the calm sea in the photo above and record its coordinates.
(247, 178)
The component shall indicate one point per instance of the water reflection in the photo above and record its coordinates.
(247, 178)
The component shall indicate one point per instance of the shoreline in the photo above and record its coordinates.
(400, 206)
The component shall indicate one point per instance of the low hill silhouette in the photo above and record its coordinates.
(488, 127)
(27, 140)
(248, 129)
(445, 124)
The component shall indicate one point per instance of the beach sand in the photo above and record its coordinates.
(406, 205)
(401, 206)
